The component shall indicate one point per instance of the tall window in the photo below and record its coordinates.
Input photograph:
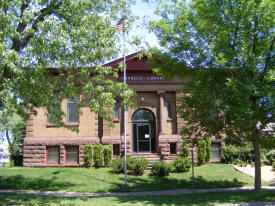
(215, 150)
(170, 110)
(52, 110)
(71, 154)
(116, 111)
(53, 155)
(71, 110)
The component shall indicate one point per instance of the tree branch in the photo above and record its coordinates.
(20, 44)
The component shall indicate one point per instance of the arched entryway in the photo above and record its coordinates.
(144, 131)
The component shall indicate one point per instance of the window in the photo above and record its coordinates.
(170, 110)
(116, 111)
(72, 110)
(53, 155)
(116, 149)
(71, 154)
(52, 110)
(173, 148)
(215, 151)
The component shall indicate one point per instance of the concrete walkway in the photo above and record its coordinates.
(267, 173)
(145, 193)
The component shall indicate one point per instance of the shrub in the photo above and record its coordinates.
(161, 168)
(202, 153)
(270, 156)
(231, 153)
(88, 155)
(137, 166)
(117, 165)
(181, 164)
(237, 162)
(184, 148)
(98, 156)
(207, 148)
(108, 155)
(273, 165)
(17, 159)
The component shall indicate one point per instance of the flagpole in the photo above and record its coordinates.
(125, 114)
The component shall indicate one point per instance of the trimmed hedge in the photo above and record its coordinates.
(108, 155)
(98, 156)
(185, 149)
(233, 154)
(88, 155)
(161, 168)
(204, 153)
(181, 164)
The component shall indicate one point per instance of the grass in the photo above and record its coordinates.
(195, 200)
(102, 180)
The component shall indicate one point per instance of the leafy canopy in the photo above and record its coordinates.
(52, 50)
(227, 48)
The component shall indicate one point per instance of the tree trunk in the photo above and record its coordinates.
(256, 145)
(8, 137)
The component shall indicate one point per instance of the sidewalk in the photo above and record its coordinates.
(145, 193)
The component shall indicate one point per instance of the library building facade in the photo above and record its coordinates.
(153, 127)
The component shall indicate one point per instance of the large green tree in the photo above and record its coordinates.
(55, 49)
(12, 130)
(227, 48)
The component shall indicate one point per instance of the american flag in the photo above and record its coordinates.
(119, 26)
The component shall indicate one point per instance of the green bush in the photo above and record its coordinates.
(88, 155)
(108, 155)
(184, 148)
(270, 156)
(181, 164)
(161, 168)
(137, 166)
(117, 165)
(204, 153)
(98, 156)
(208, 149)
(17, 159)
(231, 153)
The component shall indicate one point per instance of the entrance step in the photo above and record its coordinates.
(152, 158)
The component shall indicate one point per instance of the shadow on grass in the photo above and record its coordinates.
(19, 182)
(167, 183)
(196, 199)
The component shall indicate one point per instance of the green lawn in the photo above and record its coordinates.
(197, 199)
(102, 180)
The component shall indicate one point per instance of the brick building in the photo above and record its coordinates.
(152, 128)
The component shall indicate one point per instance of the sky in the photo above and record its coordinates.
(143, 10)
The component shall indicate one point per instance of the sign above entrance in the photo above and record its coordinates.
(141, 77)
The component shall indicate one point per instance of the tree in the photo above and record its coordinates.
(227, 48)
(52, 49)
(12, 128)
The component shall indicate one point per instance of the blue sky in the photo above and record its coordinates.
(145, 11)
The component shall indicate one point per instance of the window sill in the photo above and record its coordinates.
(116, 120)
(169, 120)
(52, 164)
(71, 164)
(72, 124)
(50, 125)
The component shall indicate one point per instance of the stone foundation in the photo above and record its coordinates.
(34, 150)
